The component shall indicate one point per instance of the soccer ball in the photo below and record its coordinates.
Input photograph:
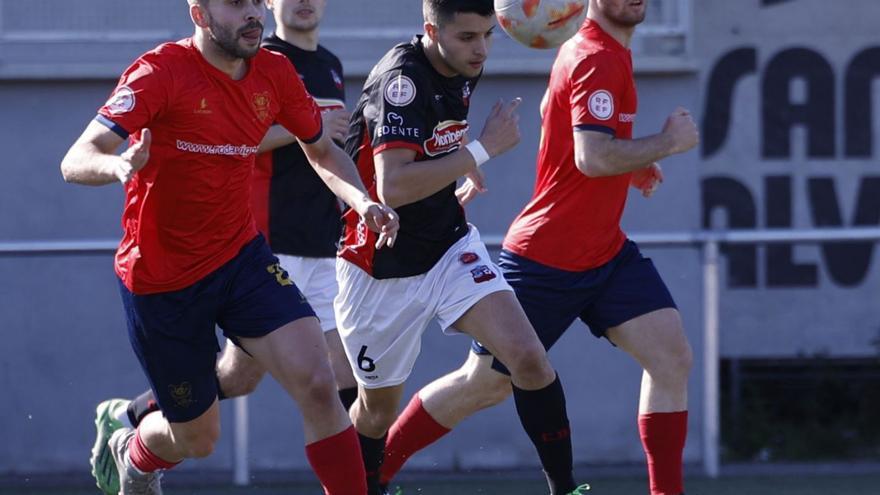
(541, 23)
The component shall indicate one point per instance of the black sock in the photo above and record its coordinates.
(373, 451)
(140, 406)
(542, 413)
(348, 396)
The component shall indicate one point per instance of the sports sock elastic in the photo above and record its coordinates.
(337, 462)
(663, 438)
(373, 452)
(413, 430)
(542, 413)
(143, 459)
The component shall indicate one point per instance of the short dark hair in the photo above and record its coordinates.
(440, 11)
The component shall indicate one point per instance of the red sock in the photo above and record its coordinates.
(663, 436)
(414, 430)
(337, 462)
(144, 459)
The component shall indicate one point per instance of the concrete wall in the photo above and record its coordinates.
(65, 347)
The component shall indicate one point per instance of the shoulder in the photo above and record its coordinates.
(328, 56)
(167, 55)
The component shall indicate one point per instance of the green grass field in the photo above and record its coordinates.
(862, 484)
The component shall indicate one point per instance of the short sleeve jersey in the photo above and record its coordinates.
(187, 212)
(572, 221)
(296, 211)
(407, 104)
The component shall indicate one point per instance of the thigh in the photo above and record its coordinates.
(632, 288)
(316, 278)
(173, 336)
(260, 296)
(381, 323)
(652, 339)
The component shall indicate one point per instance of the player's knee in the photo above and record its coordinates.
(673, 362)
(529, 361)
(320, 388)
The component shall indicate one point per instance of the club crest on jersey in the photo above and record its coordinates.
(468, 257)
(122, 101)
(337, 80)
(446, 137)
(601, 104)
(261, 103)
(466, 93)
(400, 91)
(482, 274)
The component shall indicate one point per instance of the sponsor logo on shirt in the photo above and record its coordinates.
(446, 137)
(217, 149)
(400, 91)
(601, 104)
(122, 101)
(468, 257)
(482, 274)
(395, 127)
(203, 107)
(261, 103)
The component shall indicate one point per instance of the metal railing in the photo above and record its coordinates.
(708, 242)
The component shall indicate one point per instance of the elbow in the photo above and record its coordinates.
(67, 171)
(591, 166)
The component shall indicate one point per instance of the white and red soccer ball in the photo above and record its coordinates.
(541, 23)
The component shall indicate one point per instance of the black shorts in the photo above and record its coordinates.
(173, 333)
(626, 287)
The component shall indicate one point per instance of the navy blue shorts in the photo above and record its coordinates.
(626, 287)
(173, 334)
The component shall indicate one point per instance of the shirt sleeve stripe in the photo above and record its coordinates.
(113, 126)
(593, 127)
(314, 138)
(397, 144)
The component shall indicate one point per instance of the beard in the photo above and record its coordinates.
(227, 40)
(627, 19)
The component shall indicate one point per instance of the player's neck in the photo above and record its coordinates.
(235, 68)
(432, 52)
(623, 34)
(304, 40)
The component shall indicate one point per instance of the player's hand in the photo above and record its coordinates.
(501, 131)
(682, 130)
(474, 183)
(134, 158)
(647, 179)
(336, 123)
(382, 219)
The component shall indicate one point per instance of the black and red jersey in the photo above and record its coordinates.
(293, 207)
(406, 103)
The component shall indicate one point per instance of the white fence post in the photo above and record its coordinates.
(242, 475)
(711, 308)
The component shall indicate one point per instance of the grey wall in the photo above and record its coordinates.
(64, 346)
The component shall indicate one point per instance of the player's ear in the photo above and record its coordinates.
(199, 14)
(431, 30)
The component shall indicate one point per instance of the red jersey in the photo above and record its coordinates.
(187, 212)
(572, 221)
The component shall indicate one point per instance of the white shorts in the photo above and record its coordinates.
(316, 279)
(381, 321)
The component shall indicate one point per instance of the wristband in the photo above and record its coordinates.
(476, 149)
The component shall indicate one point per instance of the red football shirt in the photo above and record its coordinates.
(572, 221)
(187, 212)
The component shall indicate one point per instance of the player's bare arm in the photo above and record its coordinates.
(335, 124)
(598, 154)
(401, 180)
(92, 160)
(337, 170)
